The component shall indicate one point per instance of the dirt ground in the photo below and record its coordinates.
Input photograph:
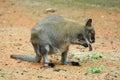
(16, 20)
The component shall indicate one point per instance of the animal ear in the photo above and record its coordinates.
(88, 22)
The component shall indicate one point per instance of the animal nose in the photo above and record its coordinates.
(92, 41)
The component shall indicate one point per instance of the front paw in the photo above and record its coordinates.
(90, 47)
(85, 45)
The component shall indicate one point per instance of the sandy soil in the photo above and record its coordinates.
(16, 21)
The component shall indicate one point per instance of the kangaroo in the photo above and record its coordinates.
(54, 34)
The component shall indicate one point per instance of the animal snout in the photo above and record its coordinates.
(92, 41)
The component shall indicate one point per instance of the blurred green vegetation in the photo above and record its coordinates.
(93, 69)
(84, 3)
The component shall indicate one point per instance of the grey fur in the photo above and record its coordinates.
(54, 34)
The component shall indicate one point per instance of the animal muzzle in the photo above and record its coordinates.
(91, 40)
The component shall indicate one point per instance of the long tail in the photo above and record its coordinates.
(28, 58)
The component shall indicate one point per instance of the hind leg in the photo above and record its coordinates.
(64, 58)
(37, 51)
(45, 50)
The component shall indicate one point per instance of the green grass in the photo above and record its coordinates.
(84, 3)
(94, 69)
(107, 5)
(96, 56)
(102, 3)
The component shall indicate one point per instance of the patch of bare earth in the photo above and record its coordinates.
(16, 23)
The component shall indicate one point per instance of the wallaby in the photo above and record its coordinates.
(54, 34)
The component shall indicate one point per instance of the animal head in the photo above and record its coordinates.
(89, 31)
